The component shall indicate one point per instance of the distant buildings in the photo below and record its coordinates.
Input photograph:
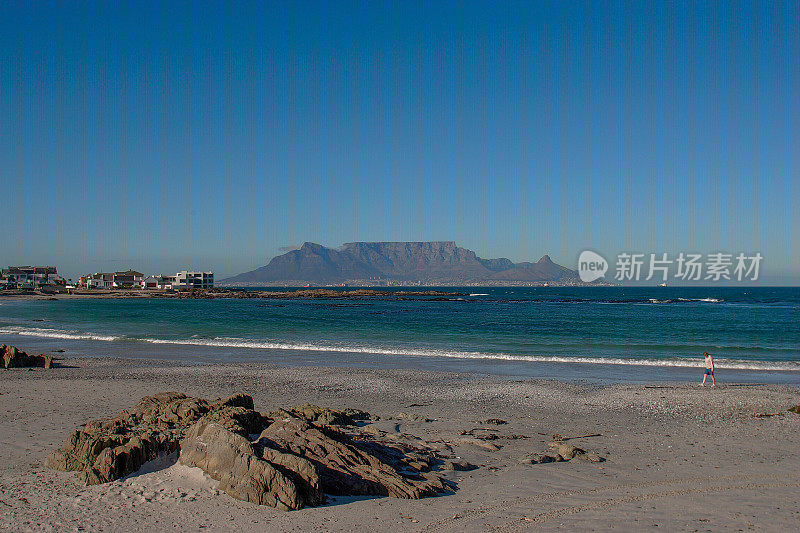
(33, 277)
(194, 280)
(112, 280)
(152, 282)
(20, 277)
(132, 279)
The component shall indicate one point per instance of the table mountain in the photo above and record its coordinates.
(438, 262)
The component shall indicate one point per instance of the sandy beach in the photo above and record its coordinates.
(678, 457)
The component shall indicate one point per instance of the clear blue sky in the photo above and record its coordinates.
(211, 136)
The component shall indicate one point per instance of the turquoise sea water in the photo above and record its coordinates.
(577, 332)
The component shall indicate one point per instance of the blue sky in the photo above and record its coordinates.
(212, 135)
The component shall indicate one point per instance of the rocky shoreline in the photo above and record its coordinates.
(308, 294)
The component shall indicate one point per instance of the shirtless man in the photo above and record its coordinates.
(709, 370)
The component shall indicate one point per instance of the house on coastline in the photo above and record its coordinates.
(128, 279)
(194, 280)
(30, 277)
(151, 282)
(112, 280)
(98, 280)
(184, 279)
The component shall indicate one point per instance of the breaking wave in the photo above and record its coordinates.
(233, 342)
(57, 334)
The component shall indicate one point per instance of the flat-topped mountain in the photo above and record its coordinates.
(438, 262)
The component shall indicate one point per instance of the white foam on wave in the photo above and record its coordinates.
(57, 334)
(479, 294)
(234, 342)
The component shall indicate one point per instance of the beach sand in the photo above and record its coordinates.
(679, 457)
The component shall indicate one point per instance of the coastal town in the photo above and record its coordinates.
(47, 277)
(45, 281)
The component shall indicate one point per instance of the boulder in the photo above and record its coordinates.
(458, 466)
(289, 463)
(561, 452)
(345, 466)
(566, 451)
(110, 448)
(591, 457)
(536, 458)
(15, 358)
(230, 458)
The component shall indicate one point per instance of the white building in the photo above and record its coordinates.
(100, 280)
(193, 280)
(182, 280)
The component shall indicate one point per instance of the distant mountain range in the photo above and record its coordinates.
(370, 263)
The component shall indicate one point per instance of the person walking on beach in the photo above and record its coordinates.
(709, 370)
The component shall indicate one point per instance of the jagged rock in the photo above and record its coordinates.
(344, 466)
(15, 358)
(495, 421)
(591, 457)
(358, 414)
(109, 448)
(323, 415)
(567, 451)
(795, 409)
(458, 466)
(536, 458)
(562, 452)
(292, 464)
(287, 483)
(373, 431)
(240, 420)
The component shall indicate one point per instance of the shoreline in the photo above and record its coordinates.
(561, 369)
(698, 457)
(603, 372)
(230, 293)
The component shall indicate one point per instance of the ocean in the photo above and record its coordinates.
(577, 333)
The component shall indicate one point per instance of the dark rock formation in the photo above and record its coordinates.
(109, 448)
(323, 415)
(439, 262)
(14, 358)
(344, 467)
(299, 456)
(279, 480)
(561, 452)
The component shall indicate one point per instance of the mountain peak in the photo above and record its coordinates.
(430, 262)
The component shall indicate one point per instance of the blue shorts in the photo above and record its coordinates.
(709, 372)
